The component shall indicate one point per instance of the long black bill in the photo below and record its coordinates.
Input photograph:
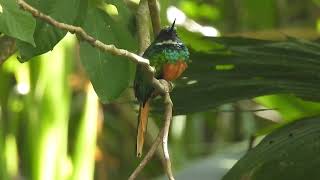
(172, 26)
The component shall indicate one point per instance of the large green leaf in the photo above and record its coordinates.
(290, 152)
(16, 23)
(248, 68)
(110, 75)
(47, 36)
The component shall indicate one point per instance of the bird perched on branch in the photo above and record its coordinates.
(169, 56)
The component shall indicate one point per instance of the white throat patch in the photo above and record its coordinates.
(168, 42)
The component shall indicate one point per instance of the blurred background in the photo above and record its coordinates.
(50, 116)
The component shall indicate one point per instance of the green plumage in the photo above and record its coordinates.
(165, 54)
(166, 49)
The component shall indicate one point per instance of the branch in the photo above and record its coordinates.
(161, 86)
(148, 156)
(86, 37)
(168, 117)
(156, 25)
(100, 45)
(155, 16)
(143, 24)
(162, 136)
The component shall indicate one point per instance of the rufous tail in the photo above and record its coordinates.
(142, 126)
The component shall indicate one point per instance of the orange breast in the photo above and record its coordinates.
(173, 71)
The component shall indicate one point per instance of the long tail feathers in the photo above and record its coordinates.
(142, 127)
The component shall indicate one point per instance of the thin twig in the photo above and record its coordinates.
(162, 136)
(162, 88)
(156, 26)
(148, 156)
(247, 110)
(155, 16)
(168, 117)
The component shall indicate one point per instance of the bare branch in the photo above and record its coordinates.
(148, 156)
(145, 40)
(155, 16)
(167, 120)
(166, 89)
(143, 24)
(162, 136)
(162, 87)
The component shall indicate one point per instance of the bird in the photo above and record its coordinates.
(170, 57)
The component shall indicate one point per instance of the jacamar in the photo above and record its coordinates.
(169, 56)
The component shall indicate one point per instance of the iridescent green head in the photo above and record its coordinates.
(167, 48)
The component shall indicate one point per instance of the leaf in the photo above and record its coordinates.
(247, 68)
(282, 154)
(110, 75)
(16, 23)
(46, 36)
(290, 107)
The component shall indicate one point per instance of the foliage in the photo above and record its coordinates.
(283, 153)
(45, 36)
(50, 120)
(248, 68)
(17, 23)
(109, 74)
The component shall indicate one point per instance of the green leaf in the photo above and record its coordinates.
(110, 75)
(290, 152)
(247, 68)
(16, 23)
(46, 36)
(290, 107)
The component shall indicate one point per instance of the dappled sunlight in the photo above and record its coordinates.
(178, 126)
(11, 154)
(227, 163)
(224, 67)
(23, 88)
(22, 74)
(192, 82)
(174, 13)
(110, 9)
(85, 142)
(191, 25)
(48, 151)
